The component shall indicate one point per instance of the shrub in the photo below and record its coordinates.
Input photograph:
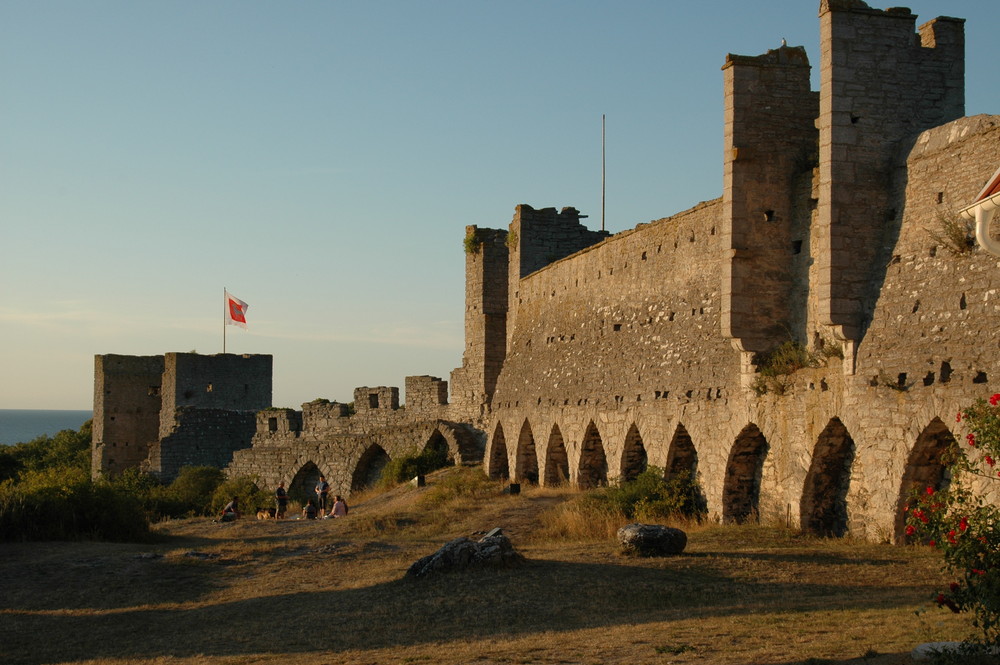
(249, 497)
(63, 503)
(964, 524)
(649, 496)
(403, 468)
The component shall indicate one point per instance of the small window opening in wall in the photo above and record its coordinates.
(693, 311)
(154, 390)
(565, 402)
(208, 388)
(638, 398)
(873, 382)
(823, 385)
(812, 386)
(916, 307)
(188, 394)
(617, 327)
(659, 248)
(657, 394)
(901, 380)
(611, 271)
(644, 256)
(712, 232)
(670, 316)
(945, 371)
(708, 395)
(980, 377)
(718, 393)
(272, 424)
(768, 215)
(962, 304)
(689, 393)
(112, 417)
(854, 119)
(932, 252)
(940, 197)
(813, 204)
(691, 238)
(796, 247)
(373, 401)
(891, 215)
(929, 379)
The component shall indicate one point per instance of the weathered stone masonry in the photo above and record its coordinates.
(588, 356)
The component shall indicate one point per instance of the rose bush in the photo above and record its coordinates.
(964, 524)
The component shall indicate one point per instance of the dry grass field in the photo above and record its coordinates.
(298, 592)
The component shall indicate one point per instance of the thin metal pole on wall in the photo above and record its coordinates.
(224, 306)
(603, 162)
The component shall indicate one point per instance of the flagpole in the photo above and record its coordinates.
(603, 161)
(224, 305)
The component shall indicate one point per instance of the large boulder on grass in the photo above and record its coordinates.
(495, 549)
(651, 540)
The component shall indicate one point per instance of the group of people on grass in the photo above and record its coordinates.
(314, 508)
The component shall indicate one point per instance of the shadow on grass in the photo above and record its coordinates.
(542, 596)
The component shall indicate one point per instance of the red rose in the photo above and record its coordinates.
(995, 399)
(963, 524)
(910, 530)
(990, 460)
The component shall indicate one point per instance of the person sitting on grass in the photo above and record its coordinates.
(339, 508)
(309, 512)
(231, 512)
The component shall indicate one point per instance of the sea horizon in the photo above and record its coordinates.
(23, 425)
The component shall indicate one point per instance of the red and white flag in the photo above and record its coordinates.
(236, 311)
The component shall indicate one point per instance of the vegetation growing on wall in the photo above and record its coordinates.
(472, 243)
(775, 367)
(954, 233)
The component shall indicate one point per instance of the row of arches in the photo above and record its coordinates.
(369, 466)
(593, 470)
(824, 503)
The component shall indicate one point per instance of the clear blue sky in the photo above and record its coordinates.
(321, 160)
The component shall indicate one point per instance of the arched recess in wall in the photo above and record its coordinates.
(634, 459)
(924, 468)
(556, 460)
(682, 459)
(369, 468)
(593, 462)
(526, 460)
(681, 455)
(741, 488)
(438, 450)
(303, 485)
(498, 467)
(823, 509)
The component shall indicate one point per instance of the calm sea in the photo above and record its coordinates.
(21, 425)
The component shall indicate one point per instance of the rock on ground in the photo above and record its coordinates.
(492, 550)
(651, 540)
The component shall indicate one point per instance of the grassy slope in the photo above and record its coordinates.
(334, 591)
